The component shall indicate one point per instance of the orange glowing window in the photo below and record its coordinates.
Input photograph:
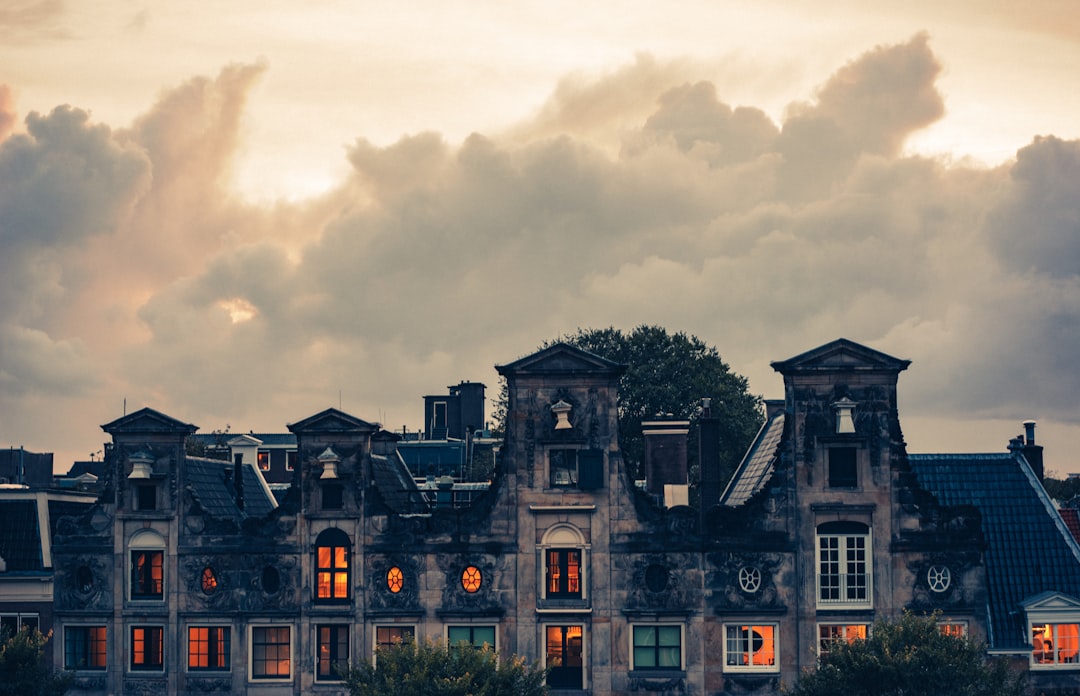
(956, 630)
(832, 633)
(332, 566)
(750, 648)
(395, 580)
(209, 581)
(470, 579)
(564, 573)
(1055, 644)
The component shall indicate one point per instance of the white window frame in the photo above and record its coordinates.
(646, 625)
(147, 540)
(251, 654)
(89, 646)
(20, 617)
(494, 627)
(564, 536)
(845, 626)
(1052, 653)
(845, 542)
(750, 625)
(131, 649)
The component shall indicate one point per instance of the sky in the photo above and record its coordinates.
(242, 213)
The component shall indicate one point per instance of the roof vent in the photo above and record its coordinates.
(329, 461)
(142, 465)
(845, 421)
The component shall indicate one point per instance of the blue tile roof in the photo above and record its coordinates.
(1029, 549)
(757, 466)
(208, 481)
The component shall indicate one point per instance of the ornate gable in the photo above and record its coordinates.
(147, 420)
(561, 359)
(332, 421)
(840, 355)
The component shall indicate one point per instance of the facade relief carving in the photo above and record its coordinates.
(744, 581)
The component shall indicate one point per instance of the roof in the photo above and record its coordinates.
(396, 485)
(147, 420)
(757, 465)
(1071, 518)
(265, 439)
(432, 455)
(562, 359)
(210, 481)
(840, 355)
(1029, 549)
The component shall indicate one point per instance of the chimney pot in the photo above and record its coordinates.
(1029, 431)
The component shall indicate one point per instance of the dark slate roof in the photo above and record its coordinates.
(396, 485)
(840, 355)
(268, 439)
(562, 359)
(1029, 550)
(20, 537)
(210, 481)
(757, 465)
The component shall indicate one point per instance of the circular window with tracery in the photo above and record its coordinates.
(938, 577)
(209, 581)
(395, 580)
(749, 579)
(471, 579)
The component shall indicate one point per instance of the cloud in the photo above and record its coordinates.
(638, 196)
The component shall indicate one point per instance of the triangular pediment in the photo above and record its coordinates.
(561, 359)
(147, 420)
(332, 421)
(244, 440)
(1050, 601)
(841, 354)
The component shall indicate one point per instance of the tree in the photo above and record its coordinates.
(909, 657)
(1062, 490)
(429, 668)
(670, 374)
(23, 671)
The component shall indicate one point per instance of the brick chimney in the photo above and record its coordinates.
(1033, 453)
(665, 459)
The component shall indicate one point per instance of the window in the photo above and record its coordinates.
(389, 636)
(954, 629)
(843, 471)
(750, 648)
(208, 581)
(333, 650)
(263, 459)
(471, 579)
(395, 580)
(657, 647)
(1055, 644)
(291, 457)
(146, 496)
(209, 648)
(844, 577)
(474, 636)
(564, 573)
(570, 468)
(271, 653)
(84, 647)
(147, 648)
(333, 496)
(830, 633)
(565, 659)
(147, 574)
(332, 558)
(10, 624)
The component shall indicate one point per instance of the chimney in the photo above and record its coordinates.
(1033, 453)
(238, 476)
(709, 456)
(665, 459)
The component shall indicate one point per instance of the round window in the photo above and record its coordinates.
(209, 581)
(939, 578)
(395, 580)
(470, 579)
(656, 577)
(749, 579)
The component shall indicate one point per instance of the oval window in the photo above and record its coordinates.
(209, 580)
(471, 579)
(395, 580)
(656, 577)
(271, 580)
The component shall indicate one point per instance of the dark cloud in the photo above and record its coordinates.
(639, 196)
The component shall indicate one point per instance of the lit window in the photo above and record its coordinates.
(333, 651)
(831, 633)
(389, 636)
(84, 647)
(147, 648)
(263, 458)
(291, 457)
(147, 574)
(209, 581)
(271, 652)
(395, 580)
(956, 630)
(844, 570)
(1055, 644)
(332, 566)
(474, 636)
(470, 579)
(750, 648)
(564, 573)
(657, 647)
(565, 658)
(208, 648)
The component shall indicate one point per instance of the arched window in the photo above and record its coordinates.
(332, 561)
(563, 560)
(845, 565)
(147, 556)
